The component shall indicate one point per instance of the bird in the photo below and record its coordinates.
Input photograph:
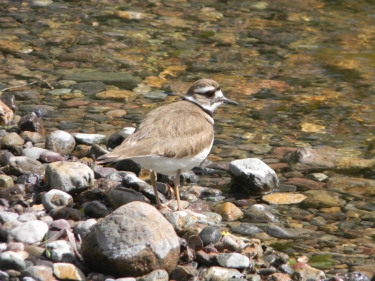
(174, 138)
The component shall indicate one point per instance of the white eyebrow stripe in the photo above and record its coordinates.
(205, 89)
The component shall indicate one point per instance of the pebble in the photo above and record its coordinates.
(29, 232)
(233, 260)
(60, 142)
(230, 212)
(69, 176)
(61, 251)
(55, 199)
(253, 176)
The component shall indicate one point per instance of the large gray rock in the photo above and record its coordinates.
(132, 241)
(253, 176)
(69, 176)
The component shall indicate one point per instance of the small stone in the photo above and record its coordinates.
(8, 216)
(119, 136)
(55, 199)
(220, 273)
(230, 212)
(95, 209)
(50, 157)
(123, 95)
(11, 260)
(253, 176)
(30, 232)
(21, 165)
(60, 142)
(6, 114)
(5, 181)
(69, 176)
(13, 142)
(68, 271)
(39, 273)
(232, 260)
(61, 251)
(89, 88)
(89, 139)
(306, 272)
(210, 235)
(31, 122)
(33, 152)
(322, 199)
(284, 198)
(83, 227)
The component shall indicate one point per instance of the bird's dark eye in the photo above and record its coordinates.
(209, 94)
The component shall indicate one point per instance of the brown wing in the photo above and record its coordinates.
(175, 130)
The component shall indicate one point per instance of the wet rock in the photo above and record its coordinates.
(253, 176)
(350, 185)
(322, 199)
(20, 165)
(283, 198)
(230, 212)
(50, 157)
(307, 158)
(305, 272)
(11, 260)
(55, 199)
(13, 142)
(39, 273)
(95, 209)
(119, 79)
(6, 114)
(89, 88)
(68, 271)
(89, 139)
(260, 213)
(156, 248)
(69, 176)
(304, 184)
(232, 260)
(245, 228)
(29, 232)
(33, 152)
(60, 142)
(61, 251)
(210, 235)
(281, 232)
(31, 122)
(220, 273)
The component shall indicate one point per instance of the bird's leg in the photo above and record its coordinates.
(176, 191)
(153, 182)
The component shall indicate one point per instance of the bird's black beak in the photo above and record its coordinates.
(228, 101)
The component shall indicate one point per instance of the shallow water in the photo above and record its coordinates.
(302, 72)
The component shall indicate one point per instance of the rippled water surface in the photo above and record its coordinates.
(302, 72)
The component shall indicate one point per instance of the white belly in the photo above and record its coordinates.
(169, 166)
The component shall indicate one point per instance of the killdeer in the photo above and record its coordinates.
(175, 137)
